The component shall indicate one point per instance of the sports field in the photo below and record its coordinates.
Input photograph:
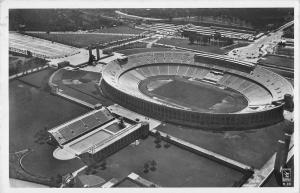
(199, 96)
(81, 85)
(175, 167)
(79, 40)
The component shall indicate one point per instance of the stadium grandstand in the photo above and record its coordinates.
(94, 135)
(129, 85)
(78, 127)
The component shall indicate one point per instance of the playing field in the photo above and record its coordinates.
(199, 96)
(81, 85)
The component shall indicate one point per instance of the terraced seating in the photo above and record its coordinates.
(271, 86)
(153, 70)
(184, 59)
(223, 79)
(243, 84)
(79, 126)
(277, 85)
(138, 75)
(258, 96)
(213, 77)
(190, 71)
(146, 71)
(159, 58)
(182, 70)
(129, 82)
(173, 69)
(163, 69)
(177, 58)
(141, 71)
(201, 73)
(149, 58)
(168, 57)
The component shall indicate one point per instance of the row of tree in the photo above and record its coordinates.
(257, 17)
(216, 38)
(59, 19)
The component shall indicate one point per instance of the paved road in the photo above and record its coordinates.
(260, 47)
(82, 32)
(137, 17)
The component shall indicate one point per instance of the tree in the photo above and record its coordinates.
(157, 137)
(158, 145)
(146, 168)
(153, 163)
(217, 35)
(92, 58)
(191, 39)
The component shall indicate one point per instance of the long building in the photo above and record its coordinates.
(95, 135)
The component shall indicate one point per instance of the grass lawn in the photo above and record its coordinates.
(38, 79)
(251, 147)
(200, 96)
(286, 74)
(79, 40)
(186, 44)
(175, 167)
(278, 61)
(81, 85)
(121, 30)
(31, 112)
(288, 51)
(141, 50)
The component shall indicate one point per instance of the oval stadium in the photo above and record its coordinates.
(200, 90)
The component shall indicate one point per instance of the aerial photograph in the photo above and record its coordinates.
(151, 97)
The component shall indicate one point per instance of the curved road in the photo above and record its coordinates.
(260, 47)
